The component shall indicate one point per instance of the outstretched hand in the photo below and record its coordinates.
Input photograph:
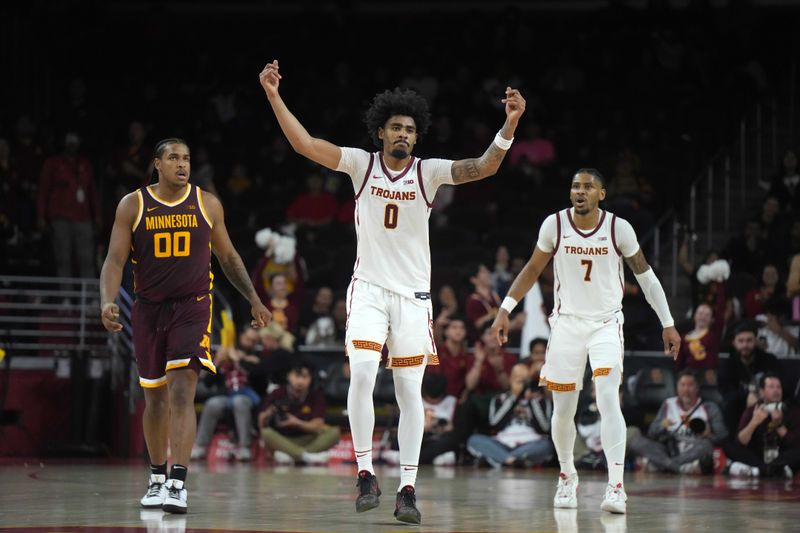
(270, 78)
(515, 104)
(672, 341)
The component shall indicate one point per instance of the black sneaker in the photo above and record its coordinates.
(405, 509)
(368, 492)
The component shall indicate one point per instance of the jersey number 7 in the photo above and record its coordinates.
(588, 264)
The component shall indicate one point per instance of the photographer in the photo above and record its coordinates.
(292, 420)
(520, 420)
(684, 432)
(768, 440)
(740, 373)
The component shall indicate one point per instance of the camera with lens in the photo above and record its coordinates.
(697, 426)
(282, 406)
(773, 406)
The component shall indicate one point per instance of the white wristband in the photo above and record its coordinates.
(508, 304)
(503, 144)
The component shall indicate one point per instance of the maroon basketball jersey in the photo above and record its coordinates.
(171, 247)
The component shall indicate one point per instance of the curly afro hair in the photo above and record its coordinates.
(397, 102)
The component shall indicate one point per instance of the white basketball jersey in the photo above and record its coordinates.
(589, 276)
(391, 220)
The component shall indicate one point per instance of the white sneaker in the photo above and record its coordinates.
(156, 492)
(282, 458)
(567, 492)
(445, 459)
(316, 458)
(692, 467)
(175, 502)
(243, 453)
(198, 452)
(738, 469)
(615, 499)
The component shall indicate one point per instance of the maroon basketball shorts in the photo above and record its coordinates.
(170, 335)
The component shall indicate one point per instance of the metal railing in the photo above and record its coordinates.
(44, 316)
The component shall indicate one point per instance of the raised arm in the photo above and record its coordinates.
(231, 262)
(519, 288)
(119, 248)
(466, 170)
(318, 150)
(655, 296)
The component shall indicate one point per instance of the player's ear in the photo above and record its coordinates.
(380, 133)
(602, 194)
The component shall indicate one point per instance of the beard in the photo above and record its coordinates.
(582, 210)
(399, 153)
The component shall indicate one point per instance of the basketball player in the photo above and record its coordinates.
(587, 245)
(171, 228)
(389, 298)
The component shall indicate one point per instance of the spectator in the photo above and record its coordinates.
(784, 183)
(684, 432)
(755, 298)
(700, 346)
(536, 357)
(313, 209)
(292, 420)
(280, 256)
(488, 371)
(482, 305)
(440, 442)
(699, 290)
(447, 302)
(129, 165)
(768, 439)
(776, 335)
(746, 252)
(69, 203)
(740, 373)
(240, 398)
(275, 359)
(501, 275)
(454, 359)
(519, 420)
(285, 312)
(320, 307)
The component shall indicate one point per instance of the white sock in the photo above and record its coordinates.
(411, 426)
(612, 424)
(563, 430)
(361, 412)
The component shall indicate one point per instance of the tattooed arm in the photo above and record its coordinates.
(466, 170)
(231, 262)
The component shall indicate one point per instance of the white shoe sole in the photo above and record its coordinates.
(611, 507)
(566, 505)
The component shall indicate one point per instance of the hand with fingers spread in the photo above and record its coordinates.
(109, 316)
(515, 104)
(270, 78)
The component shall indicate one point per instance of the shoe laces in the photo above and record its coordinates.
(614, 492)
(174, 490)
(154, 489)
(565, 484)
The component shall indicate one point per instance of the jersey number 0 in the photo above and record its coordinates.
(390, 216)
